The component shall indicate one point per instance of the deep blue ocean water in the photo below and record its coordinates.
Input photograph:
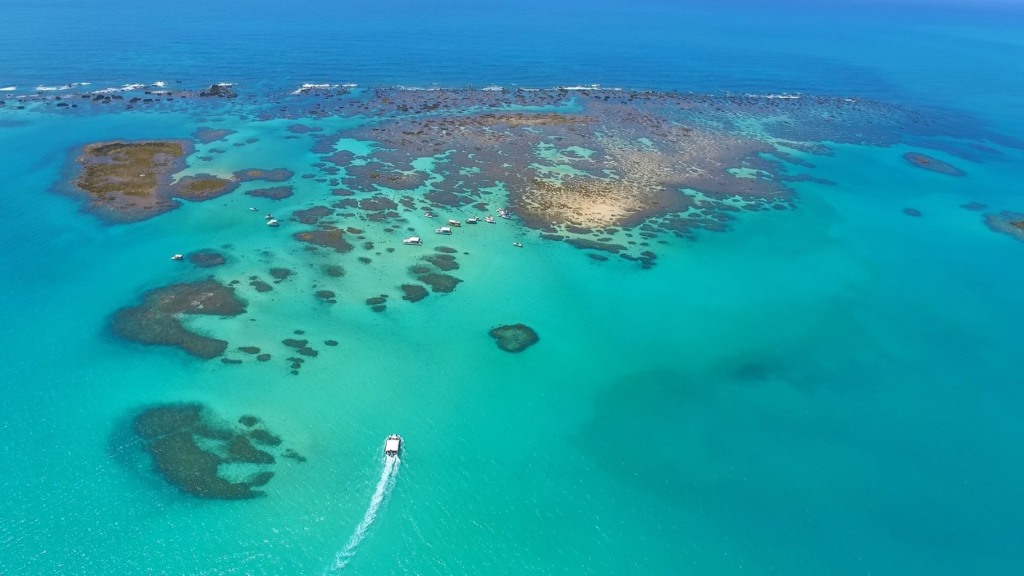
(834, 389)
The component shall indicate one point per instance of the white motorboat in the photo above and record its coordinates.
(517, 244)
(177, 257)
(443, 230)
(413, 241)
(392, 445)
(455, 223)
(489, 219)
(472, 220)
(273, 222)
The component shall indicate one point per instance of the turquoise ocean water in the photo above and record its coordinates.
(834, 389)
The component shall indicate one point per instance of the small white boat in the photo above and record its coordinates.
(177, 257)
(273, 222)
(392, 445)
(268, 217)
(455, 223)
(252, 209)
(428, 214)
(412, 241)
(489, 219)
(504, 214)
(517, 244)
(443, 230)
(473, 220)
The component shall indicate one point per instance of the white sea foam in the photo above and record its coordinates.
(783, 96)
(492, 89)
(590, 87)
(61, 88)
(159, 83)
(124, 88)
(309, 87)
(384, 486)
(8, 88)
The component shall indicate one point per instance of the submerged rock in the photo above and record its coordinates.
(274, 175)
(260, 285)
(439, 282)
(514, 337)
(443, 262)
(327, 296)
(413, 292)
(280, 274)
(933, 164)
(1010, 223)
(206, 258)
(274, 193)
(207, 135)
(327, 237)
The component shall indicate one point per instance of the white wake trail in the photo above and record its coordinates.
(384, 486)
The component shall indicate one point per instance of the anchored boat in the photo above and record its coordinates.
(392, 445)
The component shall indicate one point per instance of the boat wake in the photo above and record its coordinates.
(384, 486)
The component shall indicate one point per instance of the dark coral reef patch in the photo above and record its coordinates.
(275, 193)
(312, 215)
(203, 187)
(413, 292)
(190, 447)
(206, 258)
(207, 135)
(327, 237)
(275, 175)
(514, 337)
(1010, 223)
(933, 164)
(439, 282)
(157, 320)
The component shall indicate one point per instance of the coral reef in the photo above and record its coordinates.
(514, 337)
(158, 319)
(189, 445)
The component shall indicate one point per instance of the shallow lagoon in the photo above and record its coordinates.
(836, 381)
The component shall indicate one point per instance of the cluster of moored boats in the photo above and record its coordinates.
(411, 240)
(447, 229)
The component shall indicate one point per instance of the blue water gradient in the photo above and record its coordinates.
(834, 389)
